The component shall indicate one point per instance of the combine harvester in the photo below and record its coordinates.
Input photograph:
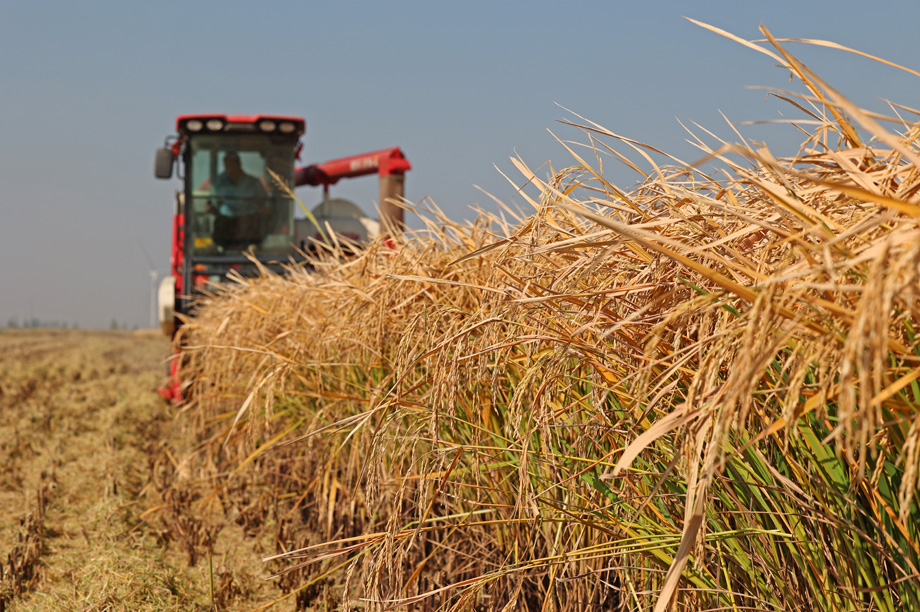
(232, 210)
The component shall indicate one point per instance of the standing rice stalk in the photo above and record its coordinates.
(697, 394)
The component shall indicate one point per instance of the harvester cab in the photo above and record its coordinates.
(236, 206)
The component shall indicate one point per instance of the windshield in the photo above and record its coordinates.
(234, 205)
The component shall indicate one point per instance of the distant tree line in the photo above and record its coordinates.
(35, 322)
(15, 323)
(115, 325)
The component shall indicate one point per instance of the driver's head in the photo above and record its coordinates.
(232, 165)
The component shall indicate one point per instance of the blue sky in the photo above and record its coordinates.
(91, 89)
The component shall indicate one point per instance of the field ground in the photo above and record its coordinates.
(81, 428)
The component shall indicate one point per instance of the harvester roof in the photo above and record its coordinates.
(212, 123)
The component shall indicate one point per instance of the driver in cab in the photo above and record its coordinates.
(239, 201)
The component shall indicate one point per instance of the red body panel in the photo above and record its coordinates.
(178, 245)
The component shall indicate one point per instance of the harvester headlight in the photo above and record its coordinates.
(215, 125)
(267, 125)
(287, 127)
(194, 125)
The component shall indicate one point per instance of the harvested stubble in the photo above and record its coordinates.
(702, 393)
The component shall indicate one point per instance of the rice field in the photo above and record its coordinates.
(696, 393)
(699, 393)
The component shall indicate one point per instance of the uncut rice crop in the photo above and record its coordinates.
(697, 394)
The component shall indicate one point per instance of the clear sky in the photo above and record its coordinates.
(90, 89)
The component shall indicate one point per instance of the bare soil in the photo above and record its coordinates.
(82, 434)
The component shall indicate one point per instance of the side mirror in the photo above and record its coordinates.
(164, 163)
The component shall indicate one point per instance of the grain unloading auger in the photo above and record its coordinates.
(236, 204)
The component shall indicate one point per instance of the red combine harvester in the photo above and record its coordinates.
(231, 208)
